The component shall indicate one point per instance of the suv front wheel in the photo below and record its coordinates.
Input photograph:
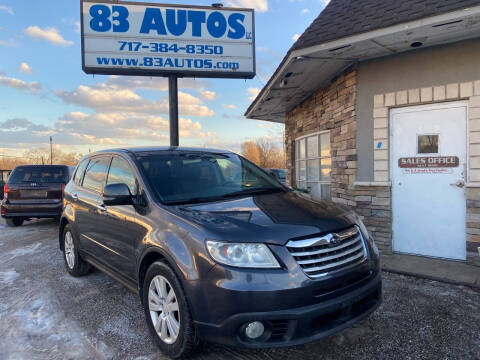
(167, 312)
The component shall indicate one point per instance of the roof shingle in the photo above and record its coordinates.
(342, 18)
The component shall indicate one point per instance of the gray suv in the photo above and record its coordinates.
(217, 249)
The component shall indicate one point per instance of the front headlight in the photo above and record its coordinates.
(245, 255)
(365, 234)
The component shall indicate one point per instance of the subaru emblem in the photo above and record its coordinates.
(334, 240)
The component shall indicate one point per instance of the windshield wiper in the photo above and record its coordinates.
(254, 191)
(197, 200)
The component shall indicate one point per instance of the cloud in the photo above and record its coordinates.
(113, 113)
(126, 128)
(229, 106)
(14, 131)
(153, 83)
(208, 95)
(252, 93)
(295, 37)
(106, 98)
(49, 34)
(25, 68)
(258, 5)
(305, 11)
(264, 125)
(7, 9)
(78, 128)
(8, 43)
(18, 84)
(77, 26)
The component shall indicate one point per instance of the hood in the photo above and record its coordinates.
(270, 218)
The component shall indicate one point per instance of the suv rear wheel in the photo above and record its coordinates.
(167, 312)
(75, 265)
(15, 221)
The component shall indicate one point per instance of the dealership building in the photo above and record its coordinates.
(381, 106)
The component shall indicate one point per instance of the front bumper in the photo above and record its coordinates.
(31, 210)
(299, 325)
(293, 307)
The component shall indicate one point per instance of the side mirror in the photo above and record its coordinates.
(117, 194)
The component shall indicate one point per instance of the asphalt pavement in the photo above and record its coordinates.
(47, 314)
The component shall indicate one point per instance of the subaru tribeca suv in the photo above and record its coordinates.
(34, 191)
(217, 249)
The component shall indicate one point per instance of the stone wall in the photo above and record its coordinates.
(373, 203)
(473, 225)
(332, 108)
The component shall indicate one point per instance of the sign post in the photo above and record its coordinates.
(173, 108)
(142, 39)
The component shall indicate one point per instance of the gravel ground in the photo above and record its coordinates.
(46, 314)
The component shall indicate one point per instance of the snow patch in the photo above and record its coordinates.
(26, 250)
(8, 277)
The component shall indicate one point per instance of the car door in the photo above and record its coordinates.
(117, 224)
(87, 213)
(72, 191)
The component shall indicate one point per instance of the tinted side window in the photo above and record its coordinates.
(96, 173)
(120, 173)
(80, 171)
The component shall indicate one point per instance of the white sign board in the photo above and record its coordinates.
(128, 38)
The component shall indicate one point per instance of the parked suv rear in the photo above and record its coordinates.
(34, 191)
(218, 249)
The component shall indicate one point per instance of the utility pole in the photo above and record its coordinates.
(51, 152)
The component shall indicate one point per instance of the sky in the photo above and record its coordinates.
(44, 92)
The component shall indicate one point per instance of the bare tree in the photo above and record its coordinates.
(251, 151)
(40, 156)
(265, 153)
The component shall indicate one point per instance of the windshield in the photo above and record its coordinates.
(39, 174)
(195, 177)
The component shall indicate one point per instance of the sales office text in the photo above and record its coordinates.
(115, 18)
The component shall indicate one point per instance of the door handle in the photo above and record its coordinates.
(74, 197)
(459, 183)
(101, 208)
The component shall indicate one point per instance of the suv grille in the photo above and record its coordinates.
(321, 255)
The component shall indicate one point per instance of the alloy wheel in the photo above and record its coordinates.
(164, 312)
(69, 250)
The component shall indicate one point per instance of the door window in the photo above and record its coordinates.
(427, 144)
(80, 171)
(120, 173)
(314, 164)
(96, 173)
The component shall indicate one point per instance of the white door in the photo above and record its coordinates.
(428, 173)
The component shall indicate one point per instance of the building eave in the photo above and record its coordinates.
(304, 71)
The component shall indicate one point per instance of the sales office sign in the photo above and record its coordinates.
(428, 164)
(127, 38)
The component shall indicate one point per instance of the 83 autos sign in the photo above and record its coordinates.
(128, 38)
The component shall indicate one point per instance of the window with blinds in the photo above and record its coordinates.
(314, 164)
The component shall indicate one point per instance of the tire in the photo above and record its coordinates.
(186, 340)
(74, 264)
(14, 221)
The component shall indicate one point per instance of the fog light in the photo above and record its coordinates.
(254, 330)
